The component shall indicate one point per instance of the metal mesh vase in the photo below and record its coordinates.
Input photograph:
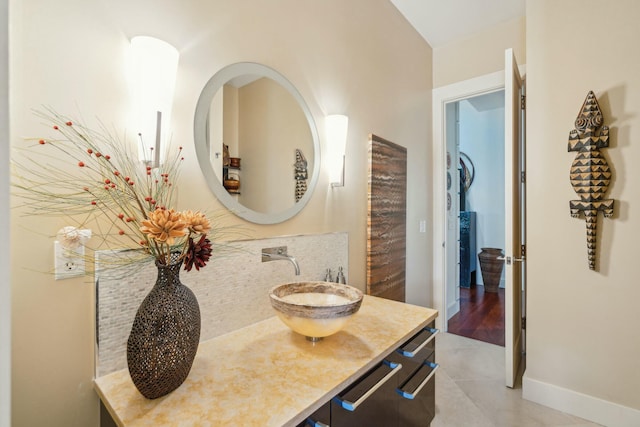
(165, 335)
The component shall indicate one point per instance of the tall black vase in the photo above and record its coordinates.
(165, 335)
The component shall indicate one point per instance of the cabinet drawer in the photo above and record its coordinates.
(372, 400)
(416, 389)
(411, 386)
(418, 392)
(421, 344)
(415, 351)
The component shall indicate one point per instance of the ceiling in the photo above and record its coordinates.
(487, 101)
(442, 21)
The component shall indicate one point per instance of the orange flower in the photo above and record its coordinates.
(164, 226)
(196, 221)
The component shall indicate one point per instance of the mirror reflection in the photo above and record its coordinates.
(256, 143)
(256, 126)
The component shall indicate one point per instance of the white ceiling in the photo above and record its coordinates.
(442, 21)
(487, 101)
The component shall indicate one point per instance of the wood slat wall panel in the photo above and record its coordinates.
(386, 219)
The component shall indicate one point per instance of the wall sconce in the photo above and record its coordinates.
(336, 126)
(154, 64)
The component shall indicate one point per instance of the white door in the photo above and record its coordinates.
(514, 203)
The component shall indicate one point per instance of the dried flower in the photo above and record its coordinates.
(164, 226)
(197, 222)
(198, 253)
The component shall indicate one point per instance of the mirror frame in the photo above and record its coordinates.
(203, 149)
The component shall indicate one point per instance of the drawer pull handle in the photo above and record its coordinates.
(434, 367)
(312, 423)
(352, 406)
(406, 353)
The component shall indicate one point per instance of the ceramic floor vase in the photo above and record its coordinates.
(491, 268)
(165, 335)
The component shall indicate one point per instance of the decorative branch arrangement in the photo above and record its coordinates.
(590, 174)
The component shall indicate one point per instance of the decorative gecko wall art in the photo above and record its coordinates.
(300, 174)
(590, 173)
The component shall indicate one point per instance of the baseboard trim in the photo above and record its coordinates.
(453, 309)
(581, 405)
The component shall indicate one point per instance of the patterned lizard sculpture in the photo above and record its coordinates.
(590, 173)
(300, 175)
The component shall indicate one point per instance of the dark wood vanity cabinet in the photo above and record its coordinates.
(397, 392)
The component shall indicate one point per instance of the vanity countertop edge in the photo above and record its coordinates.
(265, 374)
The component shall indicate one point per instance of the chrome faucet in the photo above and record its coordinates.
(278, 253)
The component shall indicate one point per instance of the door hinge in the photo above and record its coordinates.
(523, 250)
(524, 323)
(523, 102)
(523, 177)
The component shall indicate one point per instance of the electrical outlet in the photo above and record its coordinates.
(68, 263)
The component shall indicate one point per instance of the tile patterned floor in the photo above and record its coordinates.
(470, 390)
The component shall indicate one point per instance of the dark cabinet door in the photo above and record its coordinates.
(371, 401)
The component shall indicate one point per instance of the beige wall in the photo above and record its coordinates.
(360, 58)
(582, 325)
(5, 290)
(480, 54)
(272, 125)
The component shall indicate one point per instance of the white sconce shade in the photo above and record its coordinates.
(336, 126)
(154, 64)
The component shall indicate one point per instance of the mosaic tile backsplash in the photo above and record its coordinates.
(232, 289)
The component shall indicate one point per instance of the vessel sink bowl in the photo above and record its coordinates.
(315, 309)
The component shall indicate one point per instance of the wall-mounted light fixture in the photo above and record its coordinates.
(336, 126)
(154, 64)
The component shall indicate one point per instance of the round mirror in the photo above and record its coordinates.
(256, 143)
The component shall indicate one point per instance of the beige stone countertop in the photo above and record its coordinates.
(267, 375)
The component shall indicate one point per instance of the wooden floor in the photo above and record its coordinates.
(481, 315)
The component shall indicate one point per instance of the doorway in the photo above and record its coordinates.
(513, 261)
(446, 222)
(475, 182)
